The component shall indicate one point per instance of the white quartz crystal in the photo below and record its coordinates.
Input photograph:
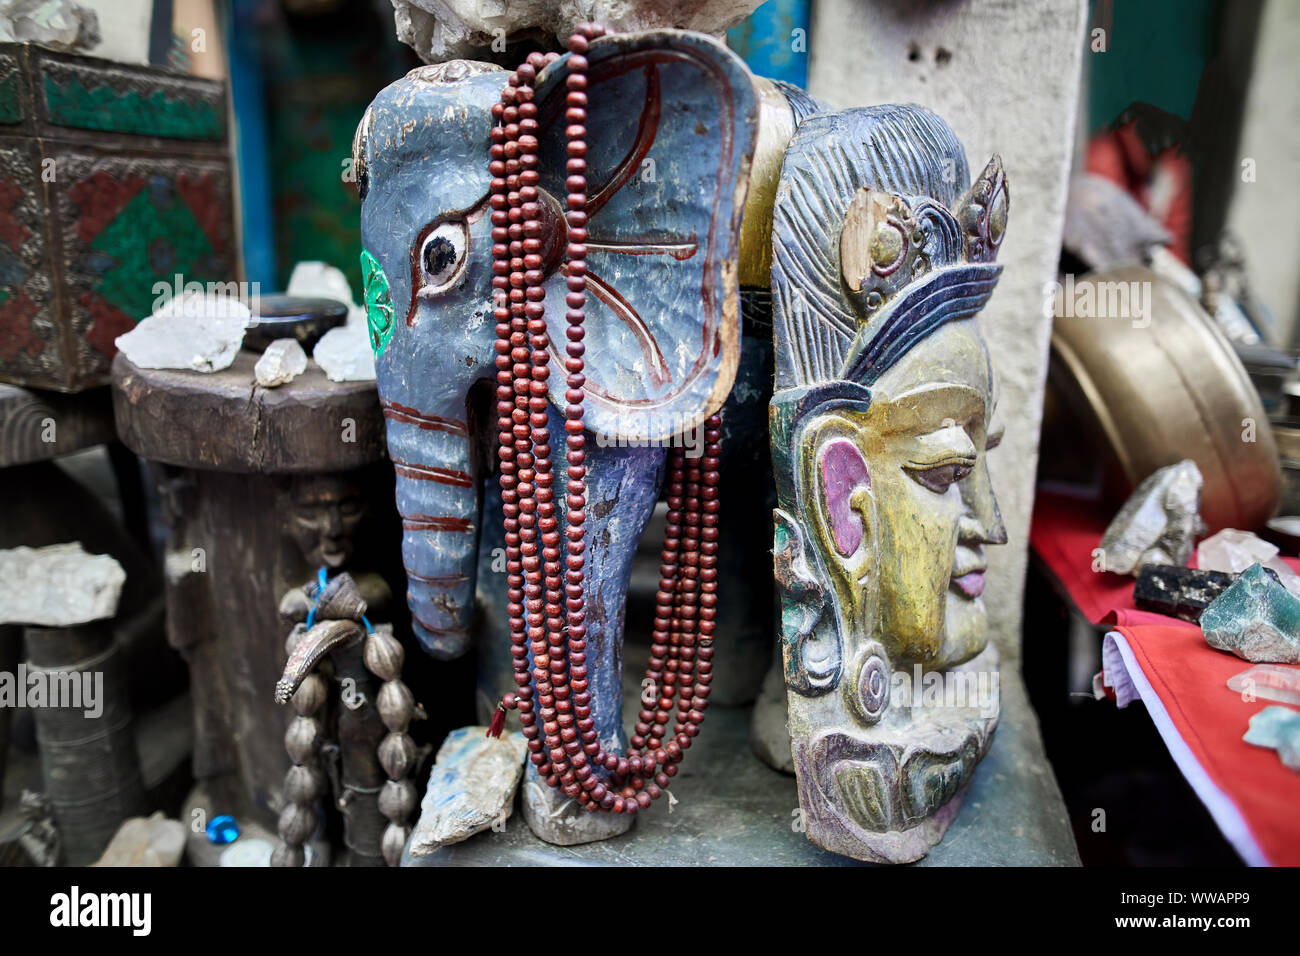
(1234, 551)
(320, 280)
(58, 586)
(282, 362)
(344, 354)
(198, 331)
(439, 30)
(145, 841)
(57, 24)
(1158, 523)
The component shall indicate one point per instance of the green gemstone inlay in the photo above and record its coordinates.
(379, 304)
(104, 108)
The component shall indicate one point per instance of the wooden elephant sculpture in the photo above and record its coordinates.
(721, 246)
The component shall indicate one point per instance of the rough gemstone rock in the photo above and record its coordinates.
(250, 852)
(282, 362)
(198, 332)
(471, 785)
(1179, 592)
(320, 280)
(1234, 551)
(1277, 728)
(145, 841)
(344, 354)
(446, 29)
(1255, 618)
(58, 586)
(222, 830)
(1159, 522)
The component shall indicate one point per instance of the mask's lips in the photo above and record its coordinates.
(970, 584)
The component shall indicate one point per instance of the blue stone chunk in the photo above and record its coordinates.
(1256, 618)
(1277, 728)
(222, 830)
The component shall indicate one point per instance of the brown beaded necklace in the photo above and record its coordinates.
(558, 726)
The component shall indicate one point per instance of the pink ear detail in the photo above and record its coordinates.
(843, 471)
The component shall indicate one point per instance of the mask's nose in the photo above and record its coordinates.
(981, 522)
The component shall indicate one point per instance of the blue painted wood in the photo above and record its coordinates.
(421, 160)
(672, 118)
(625, 483)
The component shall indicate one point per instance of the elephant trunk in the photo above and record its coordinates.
(438, 500)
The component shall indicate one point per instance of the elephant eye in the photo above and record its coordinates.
(443, 255)
(939, 478)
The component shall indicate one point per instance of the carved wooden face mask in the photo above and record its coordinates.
(881, 424)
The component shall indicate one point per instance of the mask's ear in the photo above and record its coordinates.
(671, 123)
(837, 491)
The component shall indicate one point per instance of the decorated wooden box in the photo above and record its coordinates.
(115, 193)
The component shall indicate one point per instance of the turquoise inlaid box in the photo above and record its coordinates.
(115, 181)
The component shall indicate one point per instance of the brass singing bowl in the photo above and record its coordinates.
(1152, 396)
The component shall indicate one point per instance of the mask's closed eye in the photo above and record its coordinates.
(942, 458)
(442, 256)
(940, 477)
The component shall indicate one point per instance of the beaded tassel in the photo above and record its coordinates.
(383, 656)
(304, 782)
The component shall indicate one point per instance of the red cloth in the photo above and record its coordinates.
(1188, 676)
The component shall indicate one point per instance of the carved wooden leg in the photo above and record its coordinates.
(88, 760)
(11, 640)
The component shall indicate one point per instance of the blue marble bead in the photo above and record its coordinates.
(222, 830)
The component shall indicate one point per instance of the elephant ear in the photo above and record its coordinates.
(671, 124)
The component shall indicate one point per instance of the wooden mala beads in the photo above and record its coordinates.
(546, 605)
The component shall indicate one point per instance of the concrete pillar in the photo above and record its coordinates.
(1006, 76)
